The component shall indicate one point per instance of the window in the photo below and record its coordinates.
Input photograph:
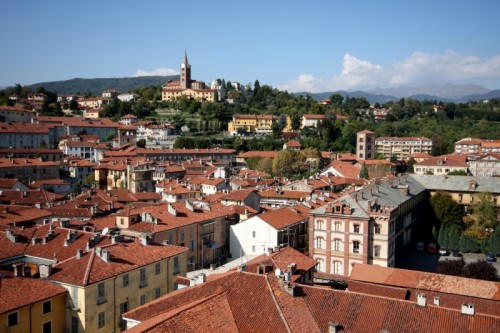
(124, 307)
(336, 244)
(337, 226)
(47, 307)
(157, 292)
(143, 299)
(157, 268)
(253, 234)
(356, 228)
(176, 265)
(182, 236)
(142, 278)
(191, 246)
(355, 247)
(47, 327)
(336, 267)
(13, 319)
(253, 248)
(101, 293)
(376, 251)
(377, 228)
(125, 280)
(319, 243)
(319, 224)
(101, 319)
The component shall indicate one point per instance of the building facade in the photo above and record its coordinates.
(368, 226)
(365, 145)
(403, 147)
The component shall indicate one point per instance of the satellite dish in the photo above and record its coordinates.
(277, 272)
(105, 231)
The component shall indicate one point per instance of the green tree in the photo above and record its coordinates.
(394, 158)
(468, 244)
(492, 244)
(336, 100)
(89, 180)
(141, 143)
(287, 163)
(296, 122)
(484, 211)
(363, 173)
(446, 210)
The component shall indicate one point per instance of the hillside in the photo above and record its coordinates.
(97, 86)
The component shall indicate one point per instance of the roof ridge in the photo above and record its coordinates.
(89, 266)
(278, 307)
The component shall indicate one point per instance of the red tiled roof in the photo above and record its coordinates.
(18, 292)
(281, 218)
(125, 256)
(256, 153)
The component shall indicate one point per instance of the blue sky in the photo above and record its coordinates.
(311, 46)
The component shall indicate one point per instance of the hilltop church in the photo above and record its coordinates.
(187, 87)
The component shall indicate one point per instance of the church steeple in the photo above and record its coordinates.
(185, 73)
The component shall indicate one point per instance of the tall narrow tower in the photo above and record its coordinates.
(185, 73)
(365, 145)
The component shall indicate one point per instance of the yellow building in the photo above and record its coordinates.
(105, 281)
(187, 87)
(31, 305)
(256, 124)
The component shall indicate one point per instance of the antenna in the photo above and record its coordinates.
(277, 272)
(105, 231)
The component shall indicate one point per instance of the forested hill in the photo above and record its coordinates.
(97, 86)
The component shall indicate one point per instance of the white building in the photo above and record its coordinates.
(280, 227)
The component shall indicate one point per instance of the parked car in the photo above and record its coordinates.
(420, 246)
(491, 258)
(443, 252)
(432, 248)
(456, 254)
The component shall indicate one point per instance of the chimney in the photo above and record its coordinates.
(436, 300)
(45, 271)
(468, 309)
(10, 235)
(421, 300)
(79, 253)
(334, 327)
(171, 209)
(66, 242)
(144, 240)
(18, 268)
(34, 240)
(106, 255)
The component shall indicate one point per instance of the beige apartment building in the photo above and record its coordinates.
(403, 147)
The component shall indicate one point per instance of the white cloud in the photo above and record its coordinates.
(157, 72)
(418, 68)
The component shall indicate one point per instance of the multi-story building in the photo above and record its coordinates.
(28, 169)
(134, 175)
(81, 149)
(487, 165)
(187, 87)
(475, 146)
(26, 135)
(15, 114)
(31, 305)
(252, 123)
(280, 227)
(368, 226)
(403, 147)
(102, 127)
(441, 165)
(365, 145)
(203, 228)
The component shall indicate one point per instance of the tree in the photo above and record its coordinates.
(451, 267)
(141, 143)
(336, 100)
(394, 158)
(296, 122)
(446, 210)
(409, 165)
(287, 163)
(492, 244)
(481, 270)
(76, 188)
(484, 211)
(89, 180)
(468, 244)
(363, 173)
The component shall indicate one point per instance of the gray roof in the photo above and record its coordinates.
(458, 183)
(388, 193)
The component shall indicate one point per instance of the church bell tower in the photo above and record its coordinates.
(185, 73)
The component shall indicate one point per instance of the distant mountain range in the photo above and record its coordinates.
(97, 86)
(440, 92)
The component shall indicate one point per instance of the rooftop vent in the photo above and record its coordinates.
(421, 300)
(468, 309)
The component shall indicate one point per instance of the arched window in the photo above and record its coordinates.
(336, 267)
(336, 244)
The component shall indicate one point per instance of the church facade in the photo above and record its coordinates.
(187, 87)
